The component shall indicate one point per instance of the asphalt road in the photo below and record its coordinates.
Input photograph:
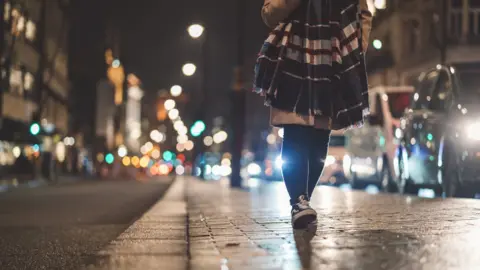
(62, 227)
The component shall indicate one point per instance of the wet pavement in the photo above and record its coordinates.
(235, 229)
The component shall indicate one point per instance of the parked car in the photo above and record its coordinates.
(333, 171)
(371, 150)
(440, 145)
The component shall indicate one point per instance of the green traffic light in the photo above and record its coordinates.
(195, 132)
(167, 155)
(109, 158)
(429, 136)
(198, 128)
(200, 125)
(35, 129)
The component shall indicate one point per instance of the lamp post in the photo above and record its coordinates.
(2, 39)
(197, 31)
(189, 69)
(444, 33)
(176, 90)
(239, 99)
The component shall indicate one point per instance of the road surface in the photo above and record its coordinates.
(61, 227)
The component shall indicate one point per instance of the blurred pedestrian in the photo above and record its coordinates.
(311, 70)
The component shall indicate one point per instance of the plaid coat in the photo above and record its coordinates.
(312, 66)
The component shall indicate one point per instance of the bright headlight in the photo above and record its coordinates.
(347, 163)
(254, 169)
(330, 160)
(279, 162)
(473, 131)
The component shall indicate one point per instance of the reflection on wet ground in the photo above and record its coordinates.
(235, 229)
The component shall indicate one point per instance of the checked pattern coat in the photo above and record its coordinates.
(311, 68)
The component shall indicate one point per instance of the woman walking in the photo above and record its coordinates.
(312, 73)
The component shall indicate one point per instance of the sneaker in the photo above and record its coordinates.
(302, 214)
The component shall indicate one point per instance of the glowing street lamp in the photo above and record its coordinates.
(169, 104)
(122, 151)
(220, 137)
(173, 114)
(377, 44)
(189, 69)
(34, 129)
(380, 4)
(176, 90)
(195, 30)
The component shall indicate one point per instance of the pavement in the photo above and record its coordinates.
(206, 225)
(64, 226)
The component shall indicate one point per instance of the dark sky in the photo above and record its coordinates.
(155, 42)
(155, 45)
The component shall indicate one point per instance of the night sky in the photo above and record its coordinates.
(155, 44)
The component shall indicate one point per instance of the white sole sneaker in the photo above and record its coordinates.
(303, 218)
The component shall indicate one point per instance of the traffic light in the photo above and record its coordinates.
(198, 128)
(167, 156)
(109, 158)
(34, 128)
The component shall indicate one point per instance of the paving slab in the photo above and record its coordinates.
(207, 225)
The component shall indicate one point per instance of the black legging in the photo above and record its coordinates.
(304, 151)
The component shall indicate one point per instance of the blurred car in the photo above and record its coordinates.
(333, 170)
(273, 166)
(440, 145)
(333, 173)
(371, 150)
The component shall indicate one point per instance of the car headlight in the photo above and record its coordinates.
(254, 169)
(347, 163)
(330, 160)
(398, 133)
(473, 131)
(279, 162)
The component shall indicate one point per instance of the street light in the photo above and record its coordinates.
(116, 63)
(195, 30)
(189, 145)
(377, 44)
(380, 4)
(157, 136)
(173, 114)
(176, 90)
(189, 69)
(122, 151)
(34, 129)
(169, 104)
(178, 125)
(220, 137)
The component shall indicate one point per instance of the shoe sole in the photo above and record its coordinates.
(304, 219)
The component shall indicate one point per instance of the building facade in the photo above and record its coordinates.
(35, 83)
(25, 57)
(408, 37)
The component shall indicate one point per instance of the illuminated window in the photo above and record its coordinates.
(6, 14)
(15, 18)
(21, 24)
(28, 81)
(31, 30)
(16, 82)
